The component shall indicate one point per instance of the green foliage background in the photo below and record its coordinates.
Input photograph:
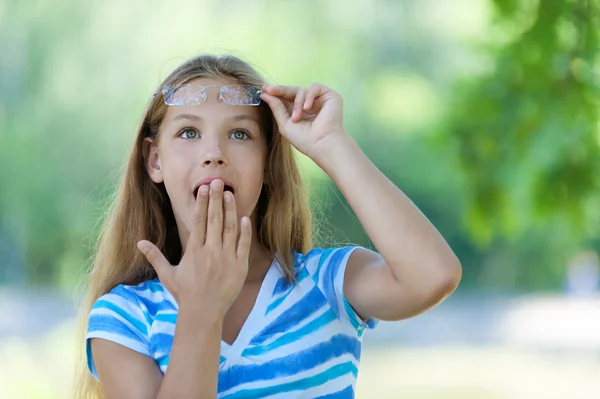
(485, 112)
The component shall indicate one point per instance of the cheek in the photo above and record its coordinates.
(253, 178)
(176, 170)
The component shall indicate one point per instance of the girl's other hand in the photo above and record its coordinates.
(311, 119)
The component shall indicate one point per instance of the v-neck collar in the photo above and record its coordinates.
(254, 320)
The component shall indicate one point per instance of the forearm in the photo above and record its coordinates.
(194, 361)
(403, 236)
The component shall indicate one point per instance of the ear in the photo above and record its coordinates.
(152, 160)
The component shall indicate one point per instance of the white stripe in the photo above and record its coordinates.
(119, 339)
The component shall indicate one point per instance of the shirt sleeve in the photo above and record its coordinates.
(327, 267)
(118, 317)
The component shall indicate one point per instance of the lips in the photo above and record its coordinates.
(228, 185)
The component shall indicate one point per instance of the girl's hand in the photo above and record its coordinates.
(214, 266)
(311, 119)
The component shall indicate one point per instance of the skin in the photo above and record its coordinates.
(413, 270)
(211, 140)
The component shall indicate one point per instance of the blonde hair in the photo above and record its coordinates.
(141, 209)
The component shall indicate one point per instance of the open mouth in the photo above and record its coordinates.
(226, 188)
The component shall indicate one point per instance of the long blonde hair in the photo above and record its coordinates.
(141, 208)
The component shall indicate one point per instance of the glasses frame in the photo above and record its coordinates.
(168, 90)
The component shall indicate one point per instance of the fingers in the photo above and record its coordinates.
(243, 248)
(199, 233)
(157, 260)
(285, 92)
(214, 224)
(230, 227)
(314, 91)
(303, 99)
(279, 111)
(298, 103)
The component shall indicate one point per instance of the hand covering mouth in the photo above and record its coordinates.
(226, 188)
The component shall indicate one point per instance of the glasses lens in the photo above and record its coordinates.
(184, 95)
(240, 95)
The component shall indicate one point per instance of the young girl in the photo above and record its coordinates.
(205, 284)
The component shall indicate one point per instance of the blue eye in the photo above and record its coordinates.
(184, 134)
(240, 135)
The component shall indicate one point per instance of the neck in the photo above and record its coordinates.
(259, 262)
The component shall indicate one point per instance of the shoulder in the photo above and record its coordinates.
(124, 315)
(329, 269)
(147, 297)
(325, 265)
(319, 259)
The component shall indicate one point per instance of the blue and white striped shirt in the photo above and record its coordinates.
(300, 340)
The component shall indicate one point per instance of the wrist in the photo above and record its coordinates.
(199, 313)
(334, 152)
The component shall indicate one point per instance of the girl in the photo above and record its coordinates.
(205, 283)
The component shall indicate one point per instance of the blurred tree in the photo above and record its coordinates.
(526, 130)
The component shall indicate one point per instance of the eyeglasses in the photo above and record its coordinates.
(192, 94)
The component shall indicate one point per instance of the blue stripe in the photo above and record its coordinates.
(285, 339)
(346, 393)
(163, 361)
(125, 293)
(161, 343)
(302, 274)
(276, 303)
(156, 307)
(100, 322)
(356, 323)
(299, 385)
(333, 267)
(324, 255)
(309, 304)
(281, 285)
(167, 317)
(137, 324)
(291, 364)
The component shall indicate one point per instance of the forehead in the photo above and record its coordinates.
(212, 108)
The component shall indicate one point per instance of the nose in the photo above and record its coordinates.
(213, 154)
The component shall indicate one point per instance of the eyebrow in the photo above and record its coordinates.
(237, 118)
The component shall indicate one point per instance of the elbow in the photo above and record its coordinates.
(449, 276)
(440, 287)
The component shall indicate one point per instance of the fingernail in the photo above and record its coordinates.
(216, 184)
(204, 189)
(142, 246)
(227, 196)
(294, 115)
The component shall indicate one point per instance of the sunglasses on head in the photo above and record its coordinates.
(194, 94)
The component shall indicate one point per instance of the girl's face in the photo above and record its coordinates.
(212, 139)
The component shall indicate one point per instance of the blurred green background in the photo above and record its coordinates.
(485, 112)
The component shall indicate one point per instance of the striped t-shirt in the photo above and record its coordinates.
(300, 340)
